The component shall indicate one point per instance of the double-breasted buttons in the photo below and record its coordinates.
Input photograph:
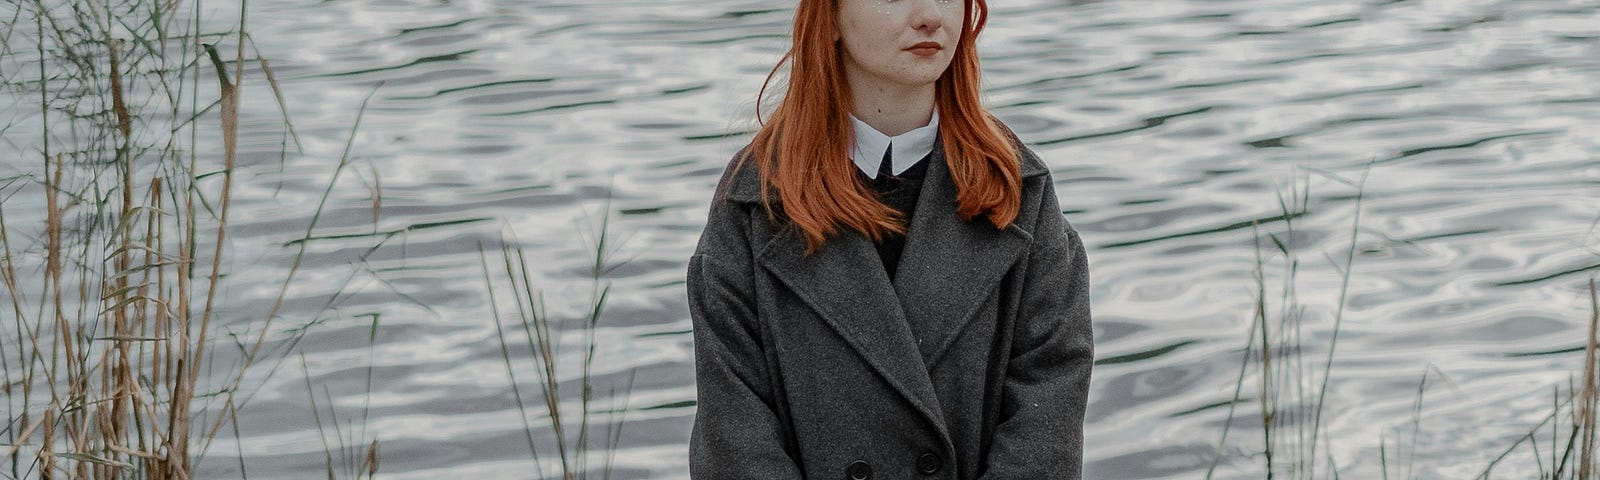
(859, 470)
(929, 463)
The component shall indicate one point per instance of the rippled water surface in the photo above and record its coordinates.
(1170, 126)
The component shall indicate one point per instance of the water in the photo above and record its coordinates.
(1169, 126)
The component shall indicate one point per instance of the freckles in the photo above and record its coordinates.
(882, 7)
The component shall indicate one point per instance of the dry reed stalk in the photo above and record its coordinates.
(1555, 408)
(8, 273)
(536, 330)
(118, 378)
(53, 221)
(153, 367)
(1586, 409)
(1266, 395)
(230, 131)
(174, 434)
(230, 122)
(253, 350)
(53, 216)
(370, 462)
(46, 451)
(277, 93)
(505, 354)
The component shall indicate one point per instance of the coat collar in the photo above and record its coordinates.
(901, 328)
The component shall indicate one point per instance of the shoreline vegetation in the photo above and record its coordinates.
(115, 362)
(105, 375)
(544, 349)
(112, 358)
(1291, 394)
(111, 351)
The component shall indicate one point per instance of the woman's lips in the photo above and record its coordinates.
(926, 49)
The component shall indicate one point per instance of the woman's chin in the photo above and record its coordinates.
(916, 76)
(919, 81)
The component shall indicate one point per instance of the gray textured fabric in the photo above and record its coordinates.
(978, 352)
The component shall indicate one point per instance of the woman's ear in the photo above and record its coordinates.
(836, 27)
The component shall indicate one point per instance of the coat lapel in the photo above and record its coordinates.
(950, 266)
(846, 284)
(947, 270)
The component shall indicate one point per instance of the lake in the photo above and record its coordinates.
(1171, 128)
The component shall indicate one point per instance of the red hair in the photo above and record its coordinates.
(804, 147)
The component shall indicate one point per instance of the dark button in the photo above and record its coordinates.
(929, 463)
(859, 470)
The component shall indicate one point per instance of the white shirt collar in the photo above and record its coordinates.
(908, 147)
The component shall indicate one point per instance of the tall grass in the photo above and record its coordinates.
(1291, 398)
(109, 354)
(114, 291)
(1290, 414)
(534, 324)
(1571, 451)
(357, 456)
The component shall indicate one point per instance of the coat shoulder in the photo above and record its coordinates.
(1031, 165)
(1040, 200)
(741, 180)
(736, 200)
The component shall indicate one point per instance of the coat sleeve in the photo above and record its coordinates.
(1045, 392)
(737, 433)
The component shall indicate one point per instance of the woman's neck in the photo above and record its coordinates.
(893, 111)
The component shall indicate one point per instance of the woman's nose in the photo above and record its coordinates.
(925, 15)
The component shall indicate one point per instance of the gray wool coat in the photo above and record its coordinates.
(973, 363)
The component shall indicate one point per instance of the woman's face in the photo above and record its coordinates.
(899, 42)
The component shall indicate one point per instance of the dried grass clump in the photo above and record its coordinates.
(113, 287)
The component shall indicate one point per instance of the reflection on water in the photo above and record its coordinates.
(1171, 127)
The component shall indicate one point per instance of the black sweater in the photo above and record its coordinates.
(900, 193)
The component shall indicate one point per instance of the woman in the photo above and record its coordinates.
(885, 287)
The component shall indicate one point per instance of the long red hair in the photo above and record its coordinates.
(803, 149)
